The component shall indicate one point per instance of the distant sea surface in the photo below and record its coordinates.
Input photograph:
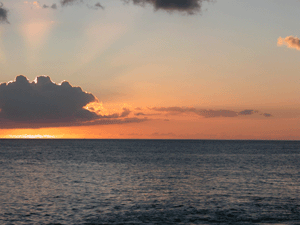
(149, 182)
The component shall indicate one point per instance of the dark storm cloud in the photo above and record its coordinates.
(189, 6)
(204, 112)
(3, 14)
(43, 103)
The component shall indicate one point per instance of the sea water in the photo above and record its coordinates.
(149, 182)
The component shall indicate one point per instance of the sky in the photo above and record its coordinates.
(150, 69)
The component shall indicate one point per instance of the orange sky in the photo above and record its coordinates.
(176, 128)
(217, 71)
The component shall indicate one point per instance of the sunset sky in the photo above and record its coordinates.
(159, 69)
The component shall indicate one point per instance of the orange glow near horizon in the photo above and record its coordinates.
(26, 136)
(187, 128)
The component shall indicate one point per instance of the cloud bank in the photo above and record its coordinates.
(208, 113)
(290, 42)
(3, 14)
(43, 103)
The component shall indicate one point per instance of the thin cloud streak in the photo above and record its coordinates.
(290, 42)
(207, 113)
(247, 112)
(201, 112)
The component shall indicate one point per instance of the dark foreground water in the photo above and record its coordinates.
(149, 182)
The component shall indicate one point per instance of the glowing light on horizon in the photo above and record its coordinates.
(28, 136)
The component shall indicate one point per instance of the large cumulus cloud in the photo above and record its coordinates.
(44, 100)
(43, 103)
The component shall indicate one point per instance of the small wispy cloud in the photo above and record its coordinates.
(266, 114)
(290, 42)
(67, 2)
(3, 14)
(95, 6)
(53, 6)
(98, 5)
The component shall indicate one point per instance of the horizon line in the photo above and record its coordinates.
(148, 139)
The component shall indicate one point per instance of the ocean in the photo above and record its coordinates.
(149, 182)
